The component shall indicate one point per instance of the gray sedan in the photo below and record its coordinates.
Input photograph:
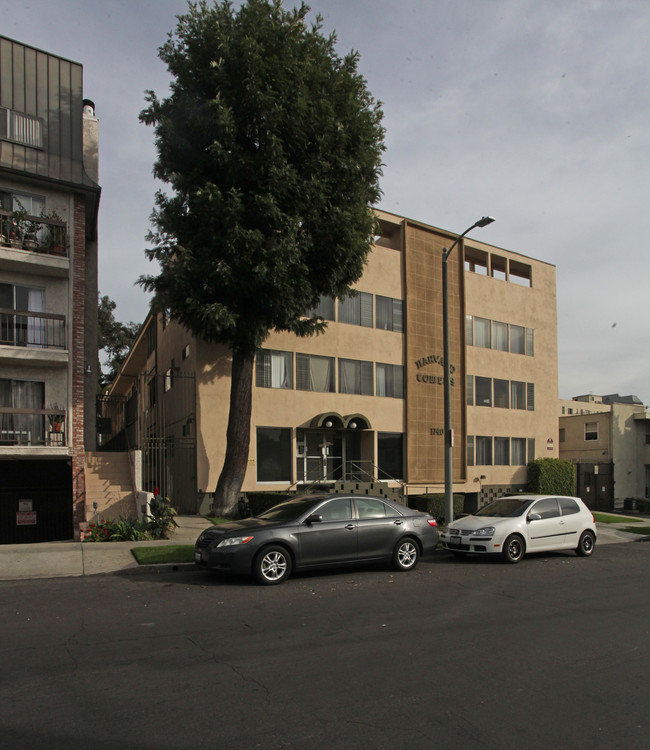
(318, 531)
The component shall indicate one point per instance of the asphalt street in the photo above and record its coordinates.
(554, 651)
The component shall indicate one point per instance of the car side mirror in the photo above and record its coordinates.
(533, 517)
(314, 518)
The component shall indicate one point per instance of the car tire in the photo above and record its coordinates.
(272, 566)
(586, 544)
(513, 549)
(406, 554)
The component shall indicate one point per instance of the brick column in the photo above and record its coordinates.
(76, 416)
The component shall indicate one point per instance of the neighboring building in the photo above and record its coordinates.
(49, 199)
(365, 399)
(608, 439)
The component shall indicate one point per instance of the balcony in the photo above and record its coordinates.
(32, 329)
(45, 234)
(32, 427)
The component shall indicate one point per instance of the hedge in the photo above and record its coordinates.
(551, 476)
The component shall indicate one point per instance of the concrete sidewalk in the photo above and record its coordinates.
(62, 559)
(58, 559)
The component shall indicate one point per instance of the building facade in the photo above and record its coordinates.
(364, 400)
(608, 440)
(49, 197)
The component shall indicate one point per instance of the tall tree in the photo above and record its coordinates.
(271, 146)
(114, 339)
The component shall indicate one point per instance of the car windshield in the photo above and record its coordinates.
(505, 507)
(291, 510)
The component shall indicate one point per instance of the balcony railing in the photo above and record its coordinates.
(35, 233)
(32, 427)
(32, 329)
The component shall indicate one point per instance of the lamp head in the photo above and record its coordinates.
(484, 221)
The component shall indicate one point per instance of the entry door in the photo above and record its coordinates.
(320, 456)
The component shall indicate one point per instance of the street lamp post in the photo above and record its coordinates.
(449, 493)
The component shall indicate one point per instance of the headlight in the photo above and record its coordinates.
(234, 540)
(485, 531)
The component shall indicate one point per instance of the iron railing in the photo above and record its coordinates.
(32, 329)
(30, 427)
(35, 233)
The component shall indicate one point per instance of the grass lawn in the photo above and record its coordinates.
(607, 518)
(643, 530)
(172, 553)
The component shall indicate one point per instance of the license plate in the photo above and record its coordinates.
(454, 540)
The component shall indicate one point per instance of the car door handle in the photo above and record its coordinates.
(350, 526)
(397, 523)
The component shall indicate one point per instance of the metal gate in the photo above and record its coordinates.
(168, 438)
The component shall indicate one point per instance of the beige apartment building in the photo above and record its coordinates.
(49, 197)
(608, 440)
(363, 402)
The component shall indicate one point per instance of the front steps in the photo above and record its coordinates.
(110, 485)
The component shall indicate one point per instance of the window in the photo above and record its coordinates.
(530, 342)
(546, 508)
(500, 336)
(22, 330)
(517, 339)
(591, 431)
(520, 273)
(186, 352)
(314, 373)
(390, 455)
(390, 380)
(483, 391)
(568, 507)
(501, 393)
(531, 449)
(274, 369)
(25, 428)
(470, 450)
(476, 261)
(530, 396)
(169, 379)
(324, 309)
(501, 451)
(20, 127)
(470, 390)
(499, 266)
(518, 451)
(339, 509)
(369, 508)
(355, 376)
(517, 395)
(469, 330)
(273, 454)
(356, 310)
(390, 314)
(482, 335)
(483, 450)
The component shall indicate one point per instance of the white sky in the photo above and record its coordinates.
(537, 113)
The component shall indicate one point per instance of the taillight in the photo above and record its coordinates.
(431, 521)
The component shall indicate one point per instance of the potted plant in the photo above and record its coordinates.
(30, 241)
(17, 228)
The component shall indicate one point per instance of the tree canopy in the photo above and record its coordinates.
(113, 338)
(270, 145)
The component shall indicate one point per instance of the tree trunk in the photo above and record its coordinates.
(238, 434)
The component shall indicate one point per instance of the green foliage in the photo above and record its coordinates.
(122, 530)
(272, 146)
(113, 338)
(162, 514)
(161, 555)
(434, 504)
(551, 476)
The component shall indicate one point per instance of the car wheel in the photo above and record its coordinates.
(586, 544)
(513, 549)
(272, 565)
(405, 554)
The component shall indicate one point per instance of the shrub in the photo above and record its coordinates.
(434, 504)
(162, 517)
(551, 476)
